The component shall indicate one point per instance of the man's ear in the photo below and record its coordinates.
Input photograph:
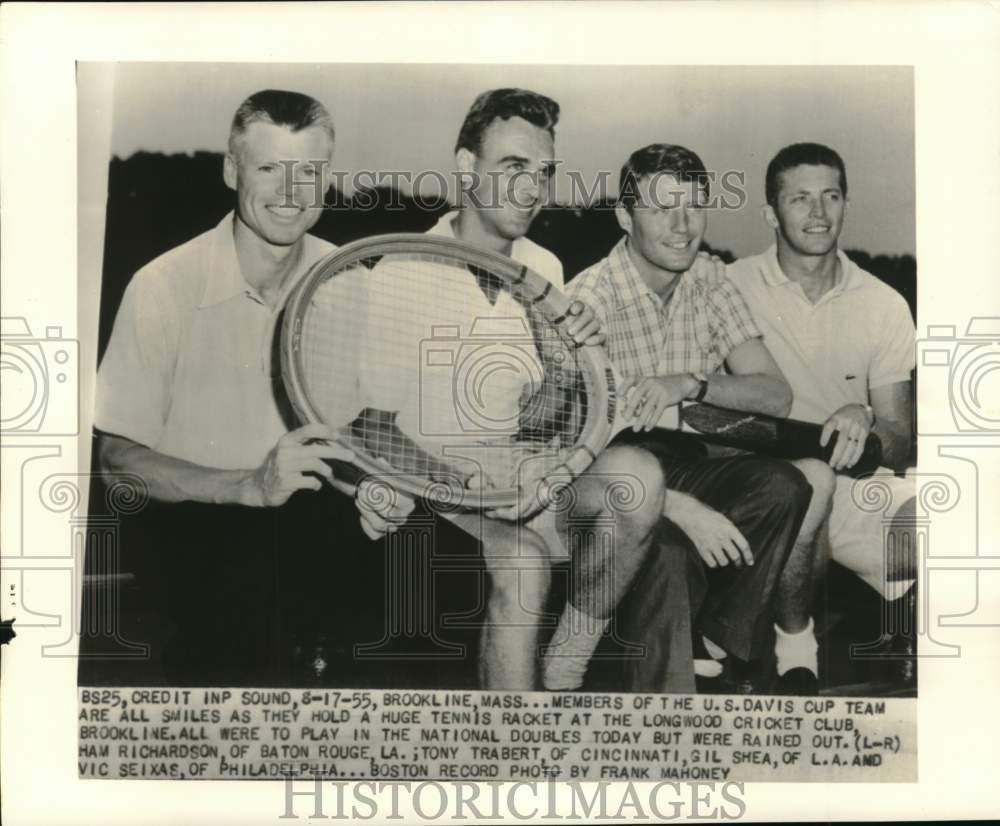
(624, 218)
(767, 213)
(229, 171)
(466, 160)
(327, 175)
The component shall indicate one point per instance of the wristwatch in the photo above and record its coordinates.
(702, 380)
(871, 413)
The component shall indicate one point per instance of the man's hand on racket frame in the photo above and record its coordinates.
(647, 397)
(716, 539)
(583, 326)
(533, 493)
(532, 499)
(381, 512)
(709, 268)
(296, 462)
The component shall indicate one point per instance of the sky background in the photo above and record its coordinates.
(406, 117)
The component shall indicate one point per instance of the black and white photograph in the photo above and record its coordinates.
(513, 392)
(565, 419)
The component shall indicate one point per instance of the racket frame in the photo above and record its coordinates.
(594, 366)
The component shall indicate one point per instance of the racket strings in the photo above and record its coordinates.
(436, 368)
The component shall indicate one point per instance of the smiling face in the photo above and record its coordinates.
(666, 224)
(809, 209)
(511, 176)
(276, 213)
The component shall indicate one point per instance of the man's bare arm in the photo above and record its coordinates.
(893, 408)
(291, 465)
(756, 383)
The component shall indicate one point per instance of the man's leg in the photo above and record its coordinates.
(520, 575)
(609, 529)
(767, 500)
(875, 544)
(795, 644)
(796, 588)
(879, 545)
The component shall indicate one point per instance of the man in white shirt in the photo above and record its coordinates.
(845, 342)
(188, 397)
(505, 153)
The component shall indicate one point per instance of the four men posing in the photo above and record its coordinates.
(189, 399)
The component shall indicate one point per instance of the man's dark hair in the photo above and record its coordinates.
(659, 159)
(290, 109)
(801, 154)
(505, 104)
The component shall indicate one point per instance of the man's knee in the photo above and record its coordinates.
(781, 484)
(634, 484)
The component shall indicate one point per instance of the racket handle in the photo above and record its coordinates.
(871, 456)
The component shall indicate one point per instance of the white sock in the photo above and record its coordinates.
(796, 650)
(896, 588)
(575, 640)
(711, 667)
(714, 651)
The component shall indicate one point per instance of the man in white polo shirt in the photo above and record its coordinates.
(844, 341)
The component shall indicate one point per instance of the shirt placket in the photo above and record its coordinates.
(811, 332)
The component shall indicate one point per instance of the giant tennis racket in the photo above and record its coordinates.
(447, 369)
(784, 438)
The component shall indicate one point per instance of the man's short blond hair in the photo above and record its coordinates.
(282, 108)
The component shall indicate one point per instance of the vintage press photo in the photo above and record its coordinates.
(108, 673)
(753, 592)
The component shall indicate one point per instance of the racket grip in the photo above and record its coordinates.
(871, 456)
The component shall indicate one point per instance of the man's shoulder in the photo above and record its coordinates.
(316, 248)
(875, 289)
(744, 271)
(544, 261)
(178, 271)
(595, 277)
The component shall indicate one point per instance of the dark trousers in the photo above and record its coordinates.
(235, 596)
(766, 499)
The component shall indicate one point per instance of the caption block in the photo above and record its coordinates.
(236, 733)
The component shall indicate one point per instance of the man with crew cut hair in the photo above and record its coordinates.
(189, 399)
(845, 341)
(505, 153)
(676, 337)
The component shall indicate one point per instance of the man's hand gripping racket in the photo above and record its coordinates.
(451, 374)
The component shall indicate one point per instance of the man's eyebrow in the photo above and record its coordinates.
(514, 159)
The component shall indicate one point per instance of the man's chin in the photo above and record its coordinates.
(817, 248)
(678, 264)
(288, 235)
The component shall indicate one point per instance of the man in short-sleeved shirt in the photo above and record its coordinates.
(188, 370)
(857, 337)
(675, 336)
(189, 401)
(523, 250)
(845, 342)
(505, 154)
(694, 332)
